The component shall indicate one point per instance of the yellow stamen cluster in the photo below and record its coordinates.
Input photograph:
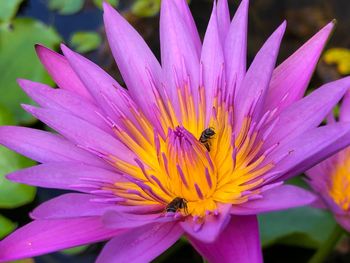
(171, 162)
(339, 186)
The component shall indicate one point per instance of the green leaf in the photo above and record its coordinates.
(74, 250)
(66, 7)
(304, 226)
(18, 60)
(98, 3)
(85, 41)
(5, 116)
(8, 9)
(298, 181)
(6, 226)
(12, 194)
(145, 8)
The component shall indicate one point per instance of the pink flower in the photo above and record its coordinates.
(330, 179)
(195, 147)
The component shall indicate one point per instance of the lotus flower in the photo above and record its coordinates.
(196, 146)
(330, 179)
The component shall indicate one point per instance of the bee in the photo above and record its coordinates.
(176, 204)
(206, 136)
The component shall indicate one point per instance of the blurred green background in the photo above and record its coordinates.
(288, 236)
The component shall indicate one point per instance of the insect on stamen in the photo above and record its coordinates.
(206, 136)
(176, 204)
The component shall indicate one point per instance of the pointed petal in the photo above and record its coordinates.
(44, 146)
(136, 62)
(45, 236)
(308, 112)
(279, 198)
(102, 87)
(291, 78)
(61, 72)
(344, 114)
(119, 220)
(235, 49)
(239, 243)
(257, 79)
(318, 174)
(70, 206)
(212, 60)
(187, 17)
(223, 14)
(309, 148)
(59, 99)
(82, 133)
(140, 245)
(211, 227)
(63, 176)
(180, 58)
(139, 210)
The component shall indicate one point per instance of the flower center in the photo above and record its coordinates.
(189, 162)
(339, 185)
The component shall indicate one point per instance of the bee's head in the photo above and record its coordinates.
(209, 131)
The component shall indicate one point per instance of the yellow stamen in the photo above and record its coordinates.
(180, 166)
(339, 187)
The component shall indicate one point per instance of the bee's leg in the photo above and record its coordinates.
(185, 209)
(207, 145)
(165, 211)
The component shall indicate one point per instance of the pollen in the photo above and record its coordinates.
(339, 184)
(173, 163)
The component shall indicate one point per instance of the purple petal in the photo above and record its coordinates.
(139, 210)
(291, 78)
(70, 206)
(278, 198)
(320, 204)
(61, 72)
(82, 133)
(257, 79)
(239, 243)
(235, 48)
(180, 58)
(101, 86)
(59, 99)
(309, 148)
(44, 146)
(140, 245)
(62, 175)
(344, 221)
(307, 113)
(223, 15)
(211, 227)
(45, 236)
(344, 114)
(320, 172)
(318, 177)
(135, 60)
(212, 60)
(332, 205)
(118, 220)
(187, 17)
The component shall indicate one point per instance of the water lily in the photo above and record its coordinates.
(330, 179)
(196, 146)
